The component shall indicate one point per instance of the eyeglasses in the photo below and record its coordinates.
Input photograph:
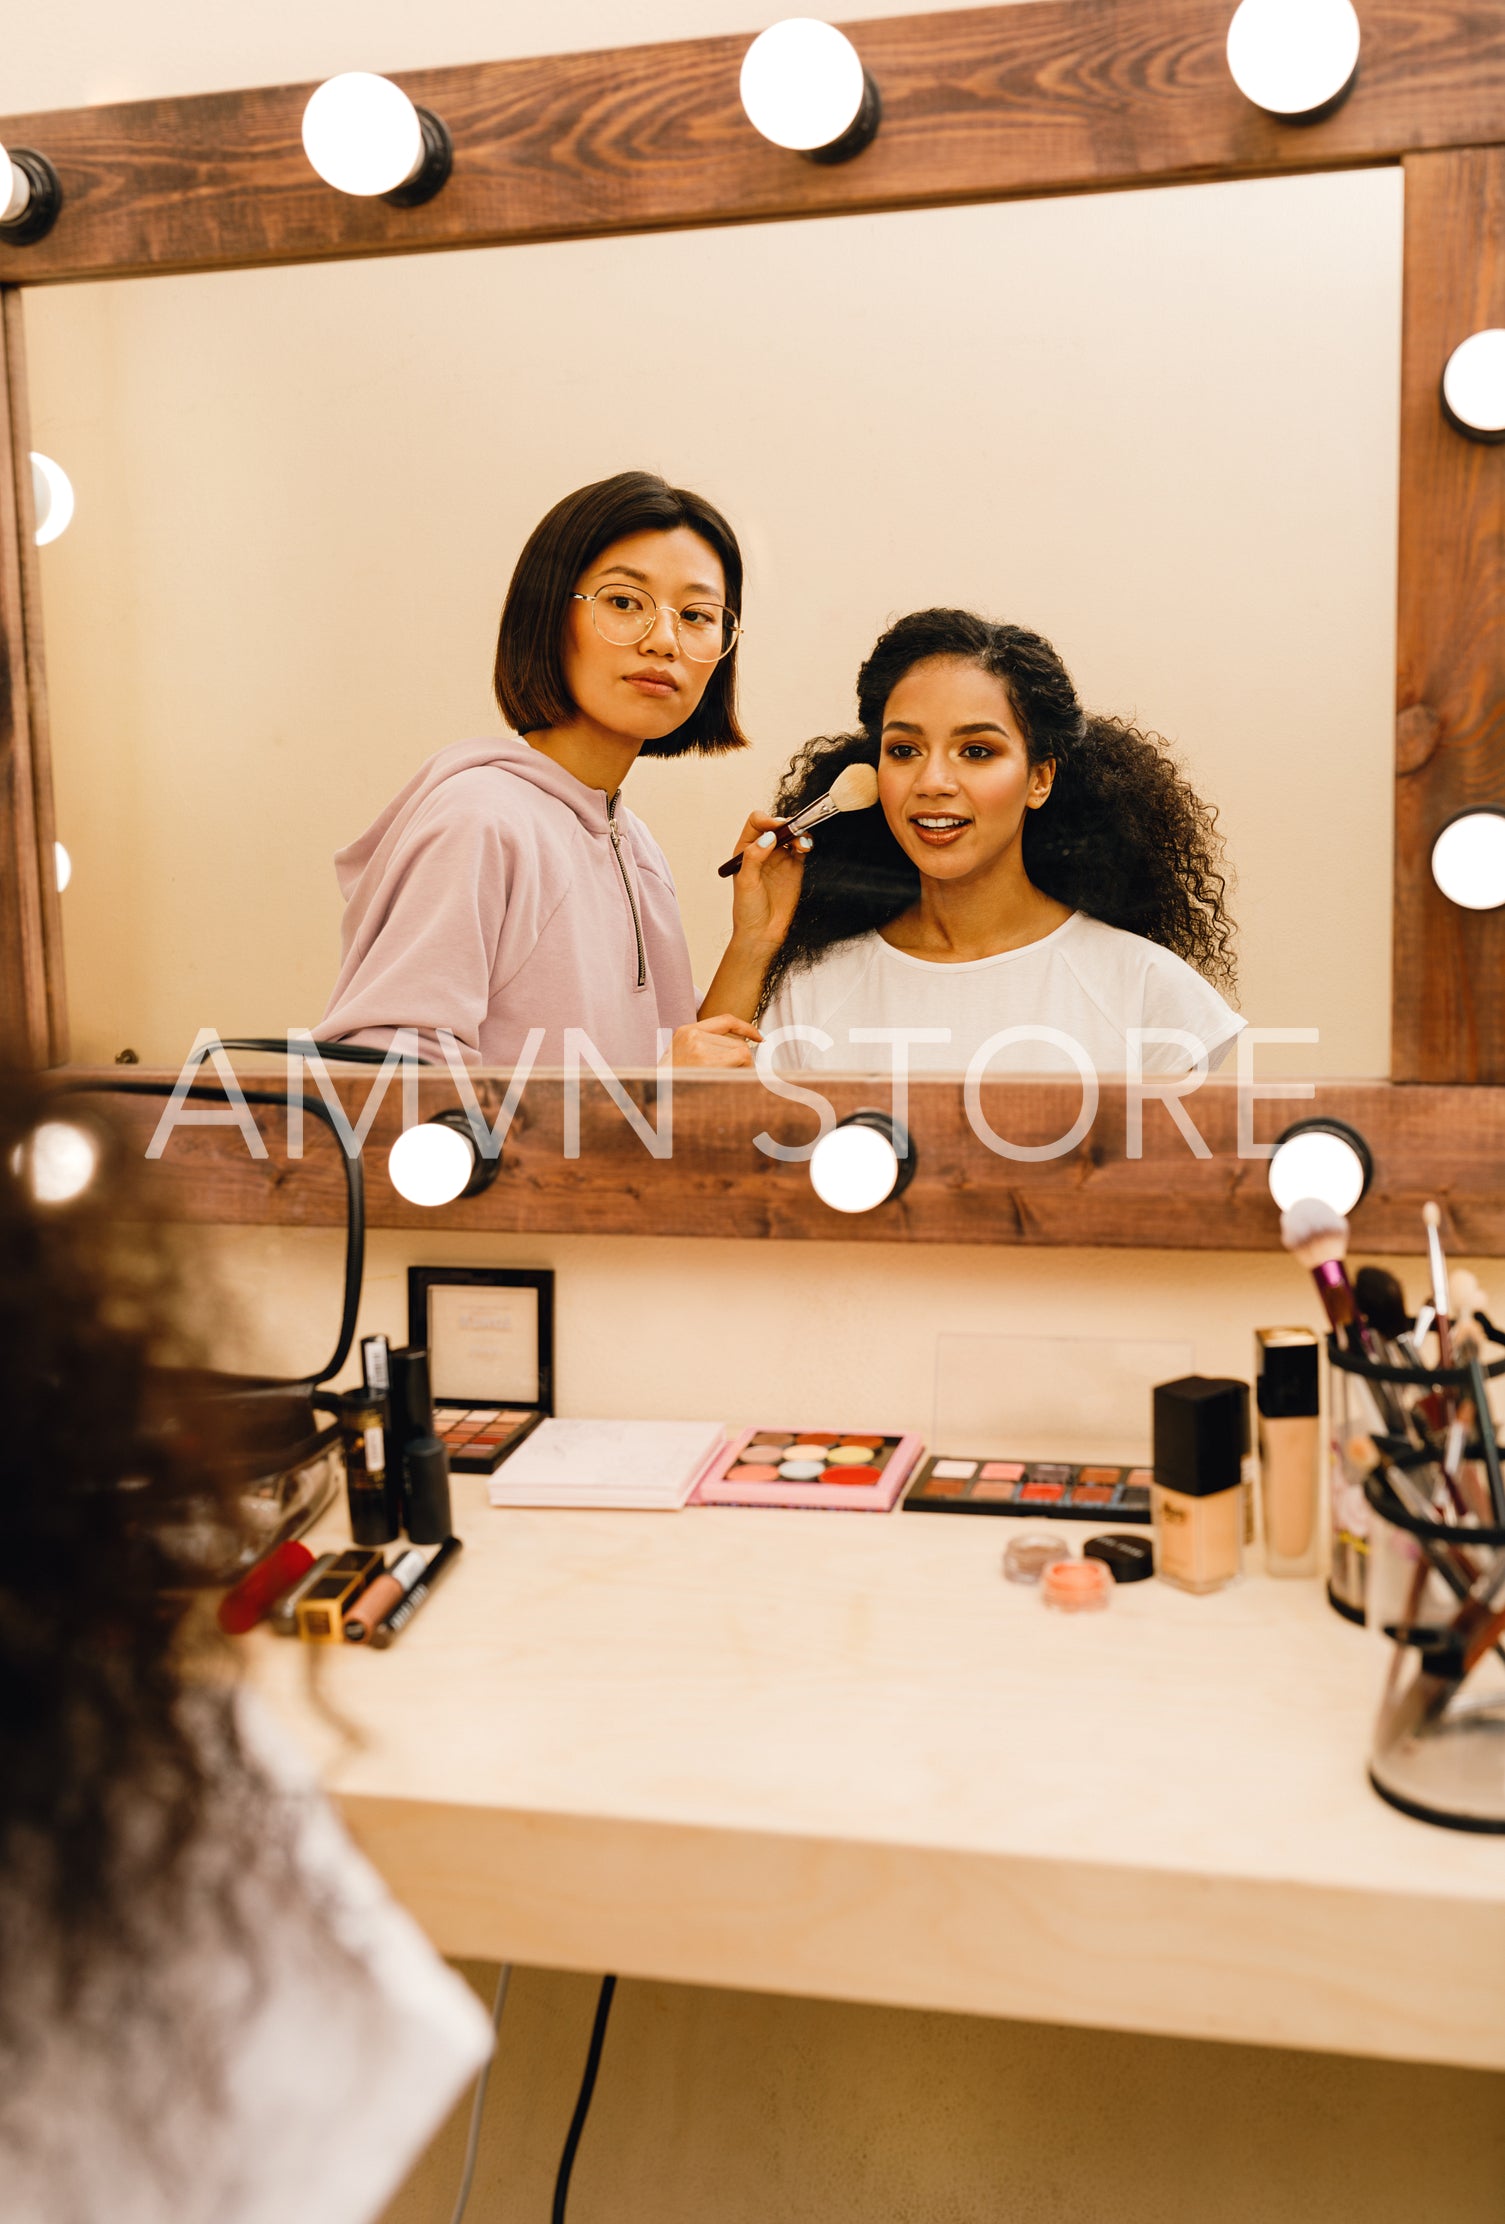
(705, 631)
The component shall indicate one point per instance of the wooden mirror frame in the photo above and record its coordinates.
(983, 104)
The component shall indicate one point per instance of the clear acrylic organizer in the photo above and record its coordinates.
(1435, 1586)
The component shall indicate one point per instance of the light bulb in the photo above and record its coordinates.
(861, 1163)
(52, 498)
(804, 87)
(64, 865)
(1468, 860)
(431, 1165)
(15, 185)
(1326, 1159)
(1294, 58)
(1473, 386)
(61, 1159)
(362, 134)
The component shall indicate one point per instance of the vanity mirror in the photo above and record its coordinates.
(1111, 381)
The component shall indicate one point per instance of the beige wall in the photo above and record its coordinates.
(728, 2108)
(714, 2106)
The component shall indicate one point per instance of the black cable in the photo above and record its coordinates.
(582, 2105)
(355, 1189)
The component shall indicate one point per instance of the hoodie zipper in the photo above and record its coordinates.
(632, 905)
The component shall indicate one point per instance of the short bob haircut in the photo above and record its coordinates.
(529, 678)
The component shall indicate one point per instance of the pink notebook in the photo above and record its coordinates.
(852, 1471)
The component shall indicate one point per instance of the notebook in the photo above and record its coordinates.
(609, 1463)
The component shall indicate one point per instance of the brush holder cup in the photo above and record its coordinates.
(1432, 1559)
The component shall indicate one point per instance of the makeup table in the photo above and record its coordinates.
(837, 1755)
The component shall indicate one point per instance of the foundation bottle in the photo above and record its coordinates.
(1201, 1432)
(1290, 1448)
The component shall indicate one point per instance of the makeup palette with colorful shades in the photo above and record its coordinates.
(1050, 1490)
(837, 1471)
(489, 1335)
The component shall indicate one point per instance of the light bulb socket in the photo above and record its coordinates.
(893, 1131)
(41, 211)
(1482, 433)
(1305, 117)
(485, 1170)
(1344, 1134)
(859, 134)
(432, 173)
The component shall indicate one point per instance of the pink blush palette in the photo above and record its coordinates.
(834, 1470)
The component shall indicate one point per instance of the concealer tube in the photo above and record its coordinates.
(1290, 1448)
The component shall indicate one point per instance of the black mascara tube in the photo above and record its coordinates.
(401, 1614)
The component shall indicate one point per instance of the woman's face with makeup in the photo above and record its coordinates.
(954, 776)
(649, 688)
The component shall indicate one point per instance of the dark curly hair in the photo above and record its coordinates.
(131, 1818)
(1122, 836)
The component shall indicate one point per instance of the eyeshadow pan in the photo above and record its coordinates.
(993, 1490)
(752, 1473)
(764, 1452)
(1041, 1494)
(807, 1449)
(1099, 1474)
(858, 1475)
(958, 1470)
(942, 1489)
(850, 1455)
(1092, 1494)
(1049, 1471)
(801, 1471)
(1139, 1478)
(1003, 1471)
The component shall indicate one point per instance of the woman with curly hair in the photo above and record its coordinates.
(210, 2010)
(1029, 866)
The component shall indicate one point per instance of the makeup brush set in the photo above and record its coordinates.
(1418, 1500)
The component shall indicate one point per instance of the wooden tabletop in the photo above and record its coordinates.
(838, 1755)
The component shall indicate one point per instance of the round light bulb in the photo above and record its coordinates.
(1473, 385)
(430, 1165)
(1317, 1163)
(854, 1169)
(802, 84)
(61, 1159)
(64, 865)
(1293, 57)
(15, 189)
(51, 497)
(1468, 861)
(362, 134)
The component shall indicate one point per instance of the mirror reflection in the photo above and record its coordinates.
(1072, 522)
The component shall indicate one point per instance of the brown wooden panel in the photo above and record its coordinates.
(1057, 96)
(1447, 1143)
(1449, 993)
(33, 1017)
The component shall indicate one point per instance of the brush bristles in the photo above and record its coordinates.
(1432, 1214)
(855, 789)
(1313, 1233)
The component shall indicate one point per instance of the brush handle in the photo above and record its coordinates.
(814, 814)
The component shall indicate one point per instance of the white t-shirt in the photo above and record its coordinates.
(1085, 982)
(344, 2039)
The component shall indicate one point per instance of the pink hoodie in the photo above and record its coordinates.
(498, 893)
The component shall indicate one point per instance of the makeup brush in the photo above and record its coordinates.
(1317, 1238)
(1441, 1301)
(1382, 1302)
(856, 789)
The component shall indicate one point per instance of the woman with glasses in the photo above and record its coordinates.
(507, 894)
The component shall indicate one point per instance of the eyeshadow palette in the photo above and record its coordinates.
(478, 1437)
(1053, 1490)
(489, 1335)
(835, 1470)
